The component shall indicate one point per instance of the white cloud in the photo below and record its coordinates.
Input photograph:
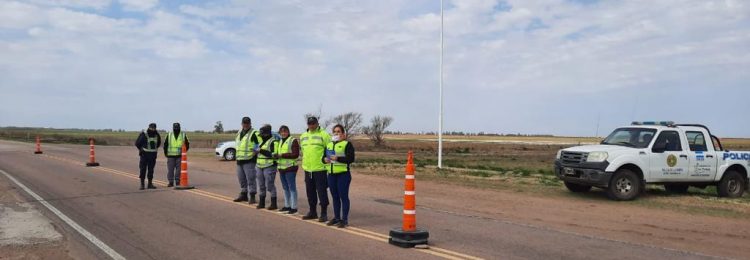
(138, 5)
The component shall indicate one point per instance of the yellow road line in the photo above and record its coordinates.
(436, 251)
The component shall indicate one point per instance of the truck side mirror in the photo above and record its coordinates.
(659, 147)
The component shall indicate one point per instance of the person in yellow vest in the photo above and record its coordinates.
(173, 151)
(288, 152)
(313, 145)
(339, 156)
(246, 155)
(266, 168)
(148, 143)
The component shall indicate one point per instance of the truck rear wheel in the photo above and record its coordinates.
(577, 187)
(677, 188)
(624, 185)
(732, 185)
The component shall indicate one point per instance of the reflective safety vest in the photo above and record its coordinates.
(283, 147)
(313, 145)
(340, 149)
(150, 143)
(245, 145)
(263, 161)
(174, 143)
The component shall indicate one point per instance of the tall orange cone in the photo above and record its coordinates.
(92, 158)
(184, 185)
(408, 235)
(38, 146)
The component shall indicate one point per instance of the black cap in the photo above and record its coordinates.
(152, 125)
(246, 120)
(312, 120)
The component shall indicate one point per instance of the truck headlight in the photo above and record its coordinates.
(559, 154)
(597, 157)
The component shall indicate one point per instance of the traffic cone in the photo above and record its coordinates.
(38, 146)
(92, 159)
(408, 235)
(184, 185)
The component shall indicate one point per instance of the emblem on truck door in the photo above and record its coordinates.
(671, 160)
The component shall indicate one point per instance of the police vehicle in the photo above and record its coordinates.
(677, 156)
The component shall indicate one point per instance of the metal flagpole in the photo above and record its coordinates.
(440, 120)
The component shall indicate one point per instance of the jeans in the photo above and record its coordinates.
(339, 185)
(288, 182)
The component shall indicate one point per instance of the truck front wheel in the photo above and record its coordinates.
(732, 185)
(577, 187)
(624, 185)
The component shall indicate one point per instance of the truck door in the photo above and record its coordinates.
(669, 161)
(702, 157)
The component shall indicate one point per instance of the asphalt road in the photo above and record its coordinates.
(204, 223)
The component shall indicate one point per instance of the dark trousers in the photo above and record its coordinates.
(316, 185)
(148, 161)
(339, 184)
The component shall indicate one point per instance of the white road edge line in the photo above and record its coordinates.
(98, 243)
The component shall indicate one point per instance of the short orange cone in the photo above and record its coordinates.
(92, 158)
(184, 185)
(408, 235)
(38, 146)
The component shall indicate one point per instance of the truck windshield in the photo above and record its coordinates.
(631, 137)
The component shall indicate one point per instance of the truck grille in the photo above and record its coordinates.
(574, 157)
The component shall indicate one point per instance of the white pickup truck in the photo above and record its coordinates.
(675, 155)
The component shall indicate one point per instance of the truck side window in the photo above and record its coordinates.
(697, 141)
(671, 139)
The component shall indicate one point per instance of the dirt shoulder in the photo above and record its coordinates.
(28, 232)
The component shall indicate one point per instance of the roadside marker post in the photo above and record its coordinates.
(92, 158)
(408, 235)
(38, 146)
(184, 185)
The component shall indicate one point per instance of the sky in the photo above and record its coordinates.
(561, 67)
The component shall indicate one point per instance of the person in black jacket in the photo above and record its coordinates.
(148, 144)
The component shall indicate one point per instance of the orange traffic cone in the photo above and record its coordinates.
(92, 159)
(408, 235)
(184, 185)
(38, 146)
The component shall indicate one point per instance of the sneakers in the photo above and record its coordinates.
(291, 211)
(333, 222)
(285, 209)
(242, 197)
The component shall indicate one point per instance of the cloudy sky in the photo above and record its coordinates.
(544, 67)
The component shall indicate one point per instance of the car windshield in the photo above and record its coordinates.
(631, 137)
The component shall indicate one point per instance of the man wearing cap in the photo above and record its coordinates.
(247, 142)
(313, 143)
(148, 143)
(173, 151)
